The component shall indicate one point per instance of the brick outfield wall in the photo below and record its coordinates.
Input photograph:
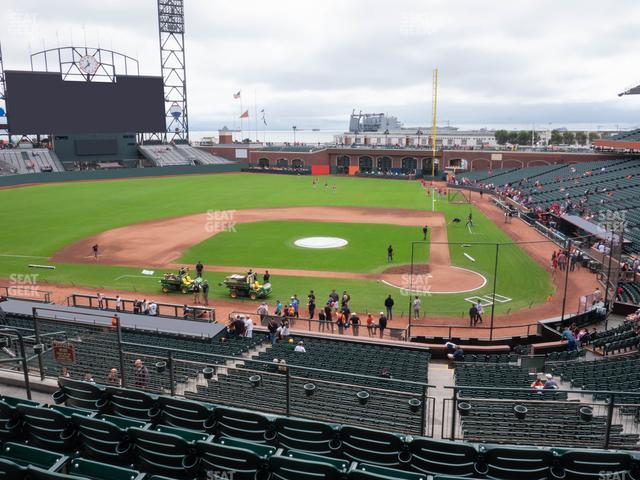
(476, 159)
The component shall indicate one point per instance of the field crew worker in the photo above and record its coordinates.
(199, 269)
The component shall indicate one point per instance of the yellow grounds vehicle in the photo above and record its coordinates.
(182, 282)
(246, 286)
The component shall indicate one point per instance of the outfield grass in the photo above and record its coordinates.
(39, 220)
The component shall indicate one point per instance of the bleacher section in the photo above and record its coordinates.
(555, 419)
(583, 189)
(630, 293)
(30, 160)
(331, 368)
(631, 136)
(616, 340)
(199, 156)
(357, 369)
(112, 433)
(617, 373)
(164, 155)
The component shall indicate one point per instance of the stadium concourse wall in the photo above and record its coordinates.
(119, 173)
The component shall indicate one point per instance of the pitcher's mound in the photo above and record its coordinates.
(402, 269)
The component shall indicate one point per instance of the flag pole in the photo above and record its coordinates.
(255, 111)
(241, 112)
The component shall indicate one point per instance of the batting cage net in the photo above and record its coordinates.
(458, 196)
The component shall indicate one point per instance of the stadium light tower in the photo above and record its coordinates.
(4, 129)
(172, 61)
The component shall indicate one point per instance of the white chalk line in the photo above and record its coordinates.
(11, 255)
(484, 282)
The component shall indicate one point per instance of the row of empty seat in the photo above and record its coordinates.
(163, 155)
(169, 438)
(29, 160)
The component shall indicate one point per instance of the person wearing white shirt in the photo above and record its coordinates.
(248, 327)
(153, 308)
(300, 347)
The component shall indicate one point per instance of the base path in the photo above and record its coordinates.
(160, 243)
(580, 282)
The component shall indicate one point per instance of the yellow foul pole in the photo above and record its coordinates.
(434, 106)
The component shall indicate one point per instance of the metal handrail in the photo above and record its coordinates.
(331, 324)
(7, 289)
(521, 389)
(175, 307)
(262, 362)
(23, 357)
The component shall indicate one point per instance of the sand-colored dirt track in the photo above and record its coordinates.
(159, 243)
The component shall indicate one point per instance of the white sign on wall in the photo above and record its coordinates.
(242, 153)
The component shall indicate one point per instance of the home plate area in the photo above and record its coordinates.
(488, 299)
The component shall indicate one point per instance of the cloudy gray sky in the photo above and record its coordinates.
(309, 63)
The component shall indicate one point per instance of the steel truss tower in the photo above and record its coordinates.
(172, 61)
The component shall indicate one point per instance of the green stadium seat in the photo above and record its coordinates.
(163, 453)
(103, 440)
(318, 437)
(82, 467)
(9, 422)
(46, 428)
(259, 449)
(12, 471)
(589, 465)
(340, 464)
(75, 393)
(121, 422)
(245, 463)
(245, 425)
(34, 473)
(181, 413)
(374, 472)
(441, 457)
(373, 446)
(133, 404)
(13, 401)
(287, 468)
(187, 435)
(517, 463)
(25, 455)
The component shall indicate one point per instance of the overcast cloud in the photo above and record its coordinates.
(310, 63)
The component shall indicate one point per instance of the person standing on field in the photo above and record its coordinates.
(199, 269)
(417, 304)
(390, 253)
(388, 303)
(205, 292)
